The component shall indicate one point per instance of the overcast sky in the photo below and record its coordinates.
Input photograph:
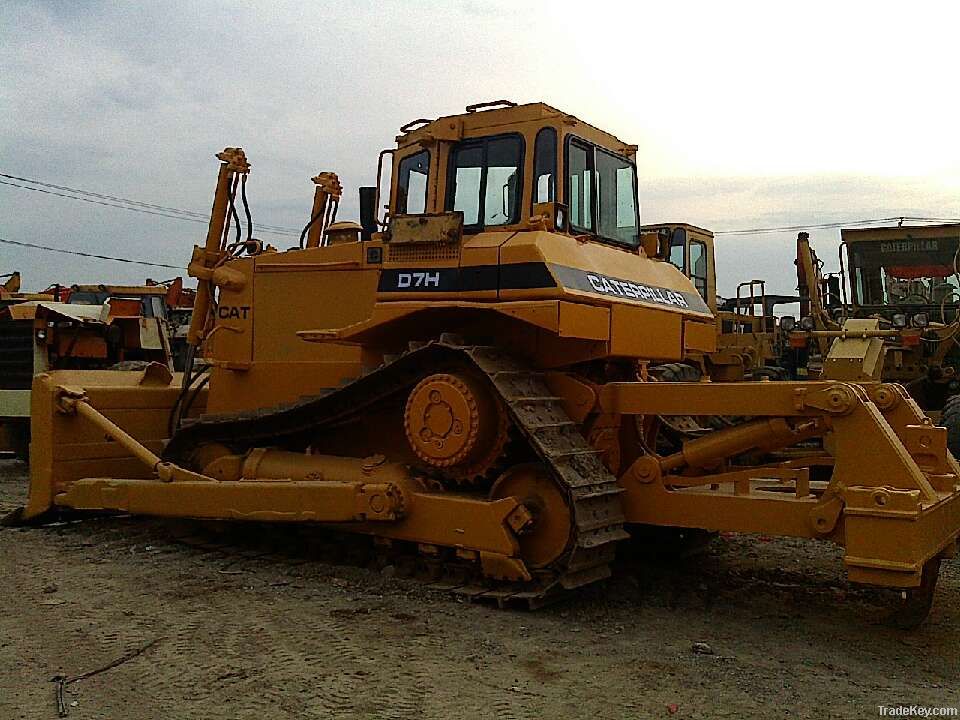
(745, 114)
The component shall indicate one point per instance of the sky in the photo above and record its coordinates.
(746, 114)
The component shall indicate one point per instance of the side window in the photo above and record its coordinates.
(698, 267)
(545, 166)
(580, 187)
(486, 183)
(468, 162)
(677, 243)
(617, 198)
(412, 183)
(503, 182)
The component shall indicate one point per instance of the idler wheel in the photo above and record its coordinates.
(547, 537)
(455, 422)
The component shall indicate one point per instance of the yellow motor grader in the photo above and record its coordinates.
(899, 285)
(468, 380)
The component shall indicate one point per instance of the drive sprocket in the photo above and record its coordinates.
(456, 425)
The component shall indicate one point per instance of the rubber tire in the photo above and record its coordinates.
(950, 419)
(676, 372)
(129, 365)
(772, 372)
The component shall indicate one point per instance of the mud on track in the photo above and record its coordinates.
(260, 629)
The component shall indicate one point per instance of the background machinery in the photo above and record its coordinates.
(467, 380)
(750, 344)
(900, 285)
(76, 327)
(178, 302)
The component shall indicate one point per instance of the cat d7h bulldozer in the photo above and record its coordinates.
(469, 380)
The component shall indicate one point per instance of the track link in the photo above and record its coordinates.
(591, 491)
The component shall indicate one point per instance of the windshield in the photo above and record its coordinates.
(602, 193)
(82, 297)
(906, 272)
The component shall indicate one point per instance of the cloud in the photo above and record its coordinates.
(739, 122)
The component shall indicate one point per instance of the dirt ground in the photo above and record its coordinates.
(238, 633)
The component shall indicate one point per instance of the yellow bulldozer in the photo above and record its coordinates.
(469, 380)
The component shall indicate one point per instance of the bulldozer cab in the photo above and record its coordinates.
(507, 167)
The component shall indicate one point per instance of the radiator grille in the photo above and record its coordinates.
(415, 252)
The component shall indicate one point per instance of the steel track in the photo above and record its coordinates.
(591, 492)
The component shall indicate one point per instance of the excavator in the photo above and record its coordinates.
(468, 378)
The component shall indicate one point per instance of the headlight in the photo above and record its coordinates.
(920, 320)
(787, 323)
(807, 323)
(41, 334)
(899, 320)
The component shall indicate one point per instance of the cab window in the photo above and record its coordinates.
(601, 193)
(579, 188)
(678, 244)
(412, 183)
(485, 181)
(616, 198)
(698, 266)
(545, 166)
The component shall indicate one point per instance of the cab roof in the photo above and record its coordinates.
(686, 226)
(893, 232)
(133, 290)
(484, 118)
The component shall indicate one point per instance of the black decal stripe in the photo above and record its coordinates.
(478, 277)
(530, 276)
(526, 276)
(475, 278)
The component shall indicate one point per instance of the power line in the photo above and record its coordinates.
(103, 196)
(174, 213)
(100, 202)
(122, 203)
(834, 225)
(89, 255)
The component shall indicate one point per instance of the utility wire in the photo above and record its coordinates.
(89, 255)
(103, 197)
(128, 204)
(833, 225)
(101, 202)
(202, 218)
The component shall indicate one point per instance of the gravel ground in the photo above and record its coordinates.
(238, 632)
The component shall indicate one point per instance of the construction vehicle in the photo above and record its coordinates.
(10, 293)
(900, 284)
(466, 380)
(14, 344)
(96, 326)
(749, 341)
(179, 309)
